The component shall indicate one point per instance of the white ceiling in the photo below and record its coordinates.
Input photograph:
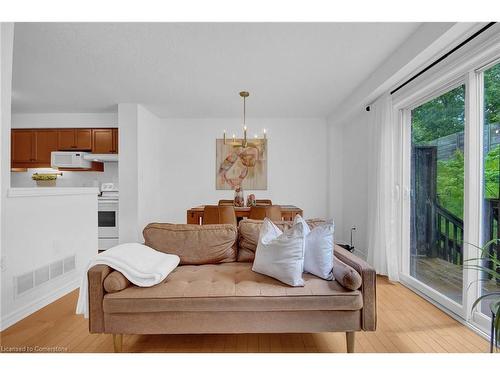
(197, 69)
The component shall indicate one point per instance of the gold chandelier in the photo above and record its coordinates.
(242, 142)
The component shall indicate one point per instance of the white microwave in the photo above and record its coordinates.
(69, 159)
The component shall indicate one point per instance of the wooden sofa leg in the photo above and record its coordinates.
(117, 342)
(350, 341)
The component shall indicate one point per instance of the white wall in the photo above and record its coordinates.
(37, 230)
(150, 168)
(356, 135)
(335, 183)
(40, 230)
(141, 166)
(64, 120)
(6, 50)
(185, 175)
(128, 172)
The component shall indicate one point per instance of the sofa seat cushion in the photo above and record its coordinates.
(231, 287)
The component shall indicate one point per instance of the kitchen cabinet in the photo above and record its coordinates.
(45, 143)
(75, 139)
(31, 148)
(22, 145)
(105, 141)
(115, 140)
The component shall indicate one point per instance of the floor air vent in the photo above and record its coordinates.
(30, 280)
(42, 275)
(25, 282)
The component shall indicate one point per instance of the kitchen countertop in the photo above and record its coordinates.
(48, 191)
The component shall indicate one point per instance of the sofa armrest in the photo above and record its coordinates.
(96, 276)
(368, 286)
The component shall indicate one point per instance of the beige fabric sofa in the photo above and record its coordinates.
(214, 290)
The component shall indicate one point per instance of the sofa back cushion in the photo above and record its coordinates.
(248, 235)
(194, 244)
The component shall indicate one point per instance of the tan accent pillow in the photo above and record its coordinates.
(346, 276)
(248, 235)
(115, 282)
(194, 244)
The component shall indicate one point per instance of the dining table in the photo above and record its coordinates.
(288, 212)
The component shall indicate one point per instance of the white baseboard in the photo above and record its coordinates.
(23, 312)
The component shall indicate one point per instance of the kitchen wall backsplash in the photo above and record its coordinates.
(69, 179)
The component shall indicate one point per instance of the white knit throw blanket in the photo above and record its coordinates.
(140, 264)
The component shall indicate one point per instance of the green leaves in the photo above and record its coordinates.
(439, 117)
(450, 184)
(488, 264)
(492, 94)
(495, 307)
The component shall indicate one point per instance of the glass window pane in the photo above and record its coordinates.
(491, 187)
(437, 196)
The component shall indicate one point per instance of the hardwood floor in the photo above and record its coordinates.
(406, 323)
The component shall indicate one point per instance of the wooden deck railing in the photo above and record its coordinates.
(449, 236)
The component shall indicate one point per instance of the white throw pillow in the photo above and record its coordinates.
(318, 254)
(281, 254)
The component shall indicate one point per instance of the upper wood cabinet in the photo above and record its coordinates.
(45, 143)
(75, 139)
(84, 139)
(103, 141)
(22, 146)
(115, 140)
(31, 148)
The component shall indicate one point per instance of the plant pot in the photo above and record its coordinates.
(46, 183)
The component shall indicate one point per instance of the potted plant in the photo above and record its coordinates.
(488, 264)
(45, 179)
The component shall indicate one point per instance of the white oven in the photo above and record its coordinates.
(107, 218)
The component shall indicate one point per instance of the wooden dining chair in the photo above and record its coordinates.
(260, 212)
(219, 215)
(226, 202)
(263, 202)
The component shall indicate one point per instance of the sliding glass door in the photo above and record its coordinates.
(450, 178)
(437, 193)
(490, 217)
